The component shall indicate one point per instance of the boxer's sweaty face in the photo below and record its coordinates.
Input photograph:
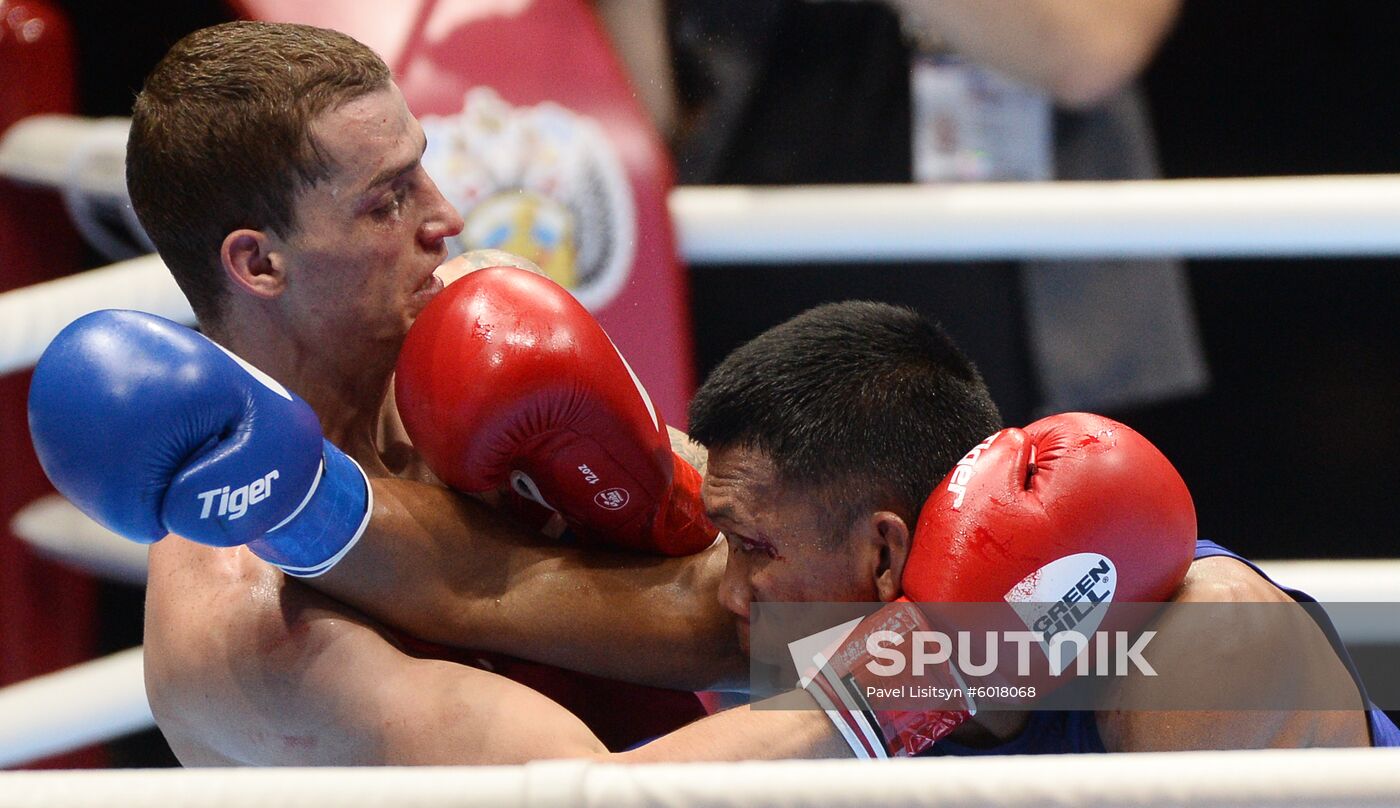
(369, 236)
(782, 547)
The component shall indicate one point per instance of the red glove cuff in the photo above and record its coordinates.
(681, 527)
(843, 688)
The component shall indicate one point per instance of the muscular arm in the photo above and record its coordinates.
(1248, 656)
(450, 570)
(247, 667)
(784, 727)
(1080, 51)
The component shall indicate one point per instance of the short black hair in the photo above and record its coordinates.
(869, 404)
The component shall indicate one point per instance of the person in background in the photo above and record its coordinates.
(791, 92)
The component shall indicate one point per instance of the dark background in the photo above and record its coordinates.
(1291, 452)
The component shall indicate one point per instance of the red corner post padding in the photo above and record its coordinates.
(535, 134)
(589, 199)
(47, 614)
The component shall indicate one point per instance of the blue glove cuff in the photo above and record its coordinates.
(326, 525)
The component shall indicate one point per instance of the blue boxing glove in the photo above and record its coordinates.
(151, 428)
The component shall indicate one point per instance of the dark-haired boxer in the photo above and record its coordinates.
(823, 433)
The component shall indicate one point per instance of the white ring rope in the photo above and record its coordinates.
(31, 317)
(1315, 778)
(58, 531)
(72, 708)
(1281, 216)
(39, 150)
(96, 160)
(1262, 216)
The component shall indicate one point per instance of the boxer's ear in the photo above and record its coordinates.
(249, 263)
(885, 537)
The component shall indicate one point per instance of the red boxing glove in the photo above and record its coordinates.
(1004, 524)
(1075, 507)
(506, 380)
(1059, 522)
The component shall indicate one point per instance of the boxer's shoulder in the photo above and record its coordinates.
(218, 619)
(203, 596)
(1231, 633)
(1222, 579)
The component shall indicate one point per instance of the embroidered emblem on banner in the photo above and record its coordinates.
(542, 182)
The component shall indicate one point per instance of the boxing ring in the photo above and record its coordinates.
(104, 699)
(1315, 778)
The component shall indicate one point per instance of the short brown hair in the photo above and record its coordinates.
(220, 139)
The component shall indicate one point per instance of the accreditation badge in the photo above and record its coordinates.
(972, 124)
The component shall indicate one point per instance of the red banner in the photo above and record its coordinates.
(47, 614)
(535, 133)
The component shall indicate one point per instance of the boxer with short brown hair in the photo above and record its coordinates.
(221, 138)
(277, 169)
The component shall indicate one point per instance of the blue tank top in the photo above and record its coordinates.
(1064, 731)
